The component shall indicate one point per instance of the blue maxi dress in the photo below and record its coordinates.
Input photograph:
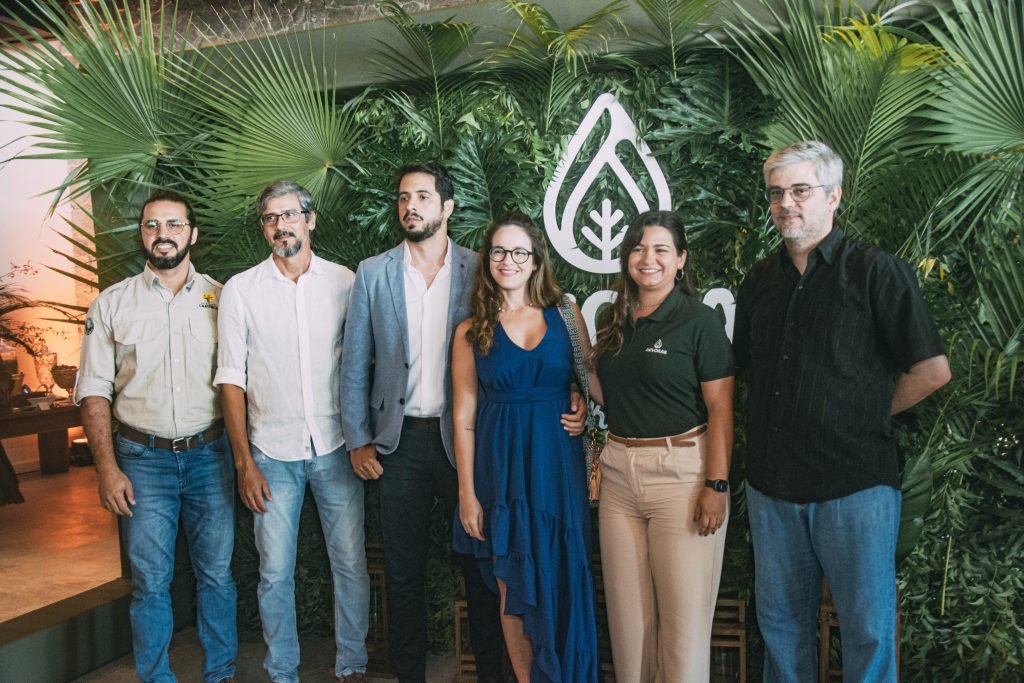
(529, 476)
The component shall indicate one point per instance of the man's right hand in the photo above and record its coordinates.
(116, 492)
(365, 463)
(253, 488)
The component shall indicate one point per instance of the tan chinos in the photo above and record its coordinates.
(660, 576)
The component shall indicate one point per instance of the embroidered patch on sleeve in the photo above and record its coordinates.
(89, 325)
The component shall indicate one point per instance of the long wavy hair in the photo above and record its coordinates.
(541, 289)
(613, 319)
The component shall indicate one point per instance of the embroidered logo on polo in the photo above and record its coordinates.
(656, 348)
(209, 298)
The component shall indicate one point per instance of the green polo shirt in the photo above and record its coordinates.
(651, 387)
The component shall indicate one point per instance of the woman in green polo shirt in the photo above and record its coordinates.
(666, 372)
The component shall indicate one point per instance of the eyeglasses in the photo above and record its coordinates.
(290, 216)
(519, 255)
(173, 225)
(799, 191)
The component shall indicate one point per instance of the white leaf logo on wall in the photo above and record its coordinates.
(602, 228)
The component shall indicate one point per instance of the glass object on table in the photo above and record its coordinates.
(64, 376)
(44, 363)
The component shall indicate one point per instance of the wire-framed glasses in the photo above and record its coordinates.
(174, 226)
(800, 192)
(289, 217)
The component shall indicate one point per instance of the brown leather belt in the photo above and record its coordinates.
(179, 445)
(678, 440)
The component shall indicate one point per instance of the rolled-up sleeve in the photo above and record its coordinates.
(97, 367)
(233, 349)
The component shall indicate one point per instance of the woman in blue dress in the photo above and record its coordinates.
(523, 507)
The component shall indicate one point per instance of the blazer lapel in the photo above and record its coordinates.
(461, 278)
(395, 276)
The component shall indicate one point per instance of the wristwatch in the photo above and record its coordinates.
(720, 485)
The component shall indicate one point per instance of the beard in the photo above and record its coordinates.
(172, 260)
(428, 230)
(282, 251)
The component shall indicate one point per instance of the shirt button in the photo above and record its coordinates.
(402, 401)
(785, 356)
(177, 388)
(406, 366)
(776, 393)
(800, 287)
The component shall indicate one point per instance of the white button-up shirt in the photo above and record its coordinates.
(427, 312)
(280, 341)
(152, 354)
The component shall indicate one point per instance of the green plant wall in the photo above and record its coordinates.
(926, 111)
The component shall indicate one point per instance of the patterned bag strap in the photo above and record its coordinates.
(565, 308)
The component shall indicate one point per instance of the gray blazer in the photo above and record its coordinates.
(375, 360)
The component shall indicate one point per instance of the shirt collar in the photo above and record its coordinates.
(666, 309)
(407, 255)
(268, 269)
(827, 248)
(152, 280)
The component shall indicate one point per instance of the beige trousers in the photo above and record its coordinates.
(660, 576)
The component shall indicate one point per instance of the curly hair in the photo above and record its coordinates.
(613, 319)
(542, 289)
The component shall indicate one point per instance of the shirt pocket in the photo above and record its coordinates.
(139, 345)
(202, 347)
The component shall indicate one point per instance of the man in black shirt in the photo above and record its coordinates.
(835, 338)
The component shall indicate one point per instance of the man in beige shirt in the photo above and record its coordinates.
(148, 359)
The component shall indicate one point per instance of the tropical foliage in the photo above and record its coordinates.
(925, 111)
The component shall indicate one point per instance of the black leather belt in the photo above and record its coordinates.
(179, 445)
(430, 423)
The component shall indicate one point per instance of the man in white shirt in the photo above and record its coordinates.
(281, 328)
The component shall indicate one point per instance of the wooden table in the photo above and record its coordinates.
(51, 426)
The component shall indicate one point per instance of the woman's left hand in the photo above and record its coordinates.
(710, 512)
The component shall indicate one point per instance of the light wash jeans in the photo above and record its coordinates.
(852, 540)
(339, 501)
(198, 485)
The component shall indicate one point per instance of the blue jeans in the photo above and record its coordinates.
(199, 486)
(852, 541)
(339, 502)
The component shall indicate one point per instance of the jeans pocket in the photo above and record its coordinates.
(129, 449)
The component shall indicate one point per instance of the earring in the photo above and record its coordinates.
(679, 274)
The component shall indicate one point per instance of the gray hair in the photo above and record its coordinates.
(827, 164)
(279, 188)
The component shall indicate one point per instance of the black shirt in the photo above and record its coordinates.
(651, 386)
(822, 353)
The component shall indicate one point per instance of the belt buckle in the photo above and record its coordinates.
(176, 444)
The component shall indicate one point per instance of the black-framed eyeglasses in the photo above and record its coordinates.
(800, 192)
(289, 217)
(174, 226)
(519, 255)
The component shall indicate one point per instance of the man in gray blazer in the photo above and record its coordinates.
(397, 408)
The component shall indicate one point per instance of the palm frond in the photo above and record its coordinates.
(547, 59)
(433, 48)
(103, 95)
(675, 23)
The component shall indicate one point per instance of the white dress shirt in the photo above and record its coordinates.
(427, 311)
(280, 341)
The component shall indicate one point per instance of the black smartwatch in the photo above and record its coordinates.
(720, 485)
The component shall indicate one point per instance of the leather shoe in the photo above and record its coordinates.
(354, 677)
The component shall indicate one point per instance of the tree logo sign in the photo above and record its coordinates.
(602, 226)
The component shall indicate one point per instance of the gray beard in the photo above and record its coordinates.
(287, 252)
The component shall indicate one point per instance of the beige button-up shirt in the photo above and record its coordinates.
(153, 354)
(280, 341)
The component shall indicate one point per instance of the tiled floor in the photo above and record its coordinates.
(56, 544)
